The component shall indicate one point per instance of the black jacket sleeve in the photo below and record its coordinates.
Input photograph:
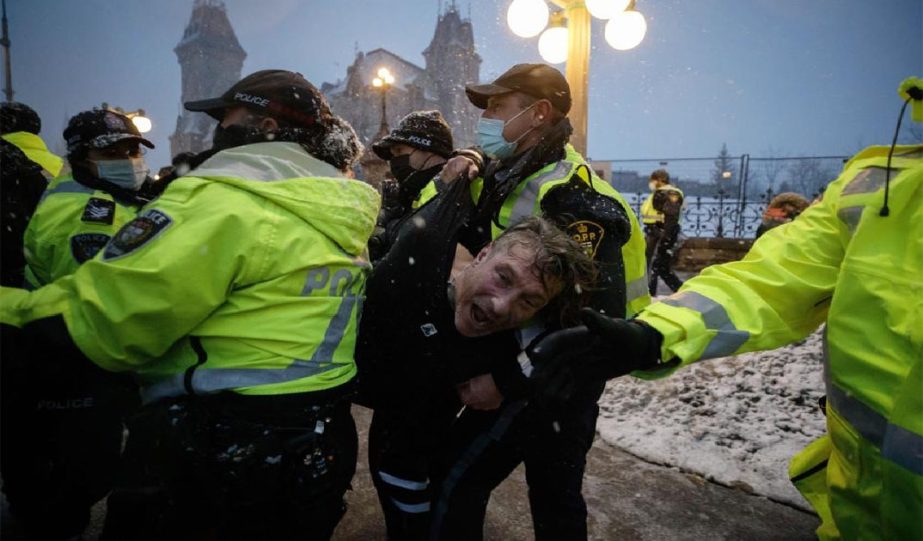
(599, 223)
(21, 187)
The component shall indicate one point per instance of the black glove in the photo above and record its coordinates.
(552, 357)
(602, 348)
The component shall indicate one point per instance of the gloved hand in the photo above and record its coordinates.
(602, 348)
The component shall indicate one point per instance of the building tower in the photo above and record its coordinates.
(210, 58)
(452, 63)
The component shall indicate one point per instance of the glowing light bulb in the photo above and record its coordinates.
(143, 123)
(526, 18)
(552, 45)
(606, 9)
(626, 30)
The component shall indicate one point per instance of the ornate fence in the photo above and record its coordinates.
(725, 196)
(716, 216)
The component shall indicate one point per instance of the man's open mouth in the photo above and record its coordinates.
(479, 316)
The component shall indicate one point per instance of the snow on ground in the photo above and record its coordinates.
(736, 420)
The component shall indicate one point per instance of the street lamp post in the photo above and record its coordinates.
(383, 82)
(7, 70)
(625, 30)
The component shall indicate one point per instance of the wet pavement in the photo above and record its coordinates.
(628, 499)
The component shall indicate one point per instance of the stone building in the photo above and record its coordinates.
(450, 63)
(210, 58)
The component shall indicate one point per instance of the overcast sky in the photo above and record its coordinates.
(786, 77)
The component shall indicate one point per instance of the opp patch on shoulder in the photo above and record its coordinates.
(136, 233)
(587, 234)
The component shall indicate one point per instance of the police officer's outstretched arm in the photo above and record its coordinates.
(151, 285)
(778, 293)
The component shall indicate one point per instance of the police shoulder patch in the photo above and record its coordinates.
(86, 245)
(587, 234)
(136, 233)
(101, 211)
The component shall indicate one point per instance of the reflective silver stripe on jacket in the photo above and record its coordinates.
(213, 380)
(851, 216)
(868, 180)
(68, 186)
(636, 289)
(525, 203)
(897, 444)
(729, 338)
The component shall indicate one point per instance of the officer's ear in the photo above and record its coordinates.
(542, 112)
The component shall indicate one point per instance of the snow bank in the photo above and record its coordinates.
(735, 420)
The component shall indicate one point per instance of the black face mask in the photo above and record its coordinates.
(236, 135)
(400, 167)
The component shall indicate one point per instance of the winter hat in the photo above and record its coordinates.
(100, 128)
(797, 201)
(537, 80)
(15, 117)
(425, 130)
(283, 95)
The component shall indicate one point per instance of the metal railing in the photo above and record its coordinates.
(718, 216)
(726, 196)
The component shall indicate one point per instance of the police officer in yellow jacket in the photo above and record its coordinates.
(20, 126)
(660, 214)
(80, 211)
(233, 298)
(531, 169)
(854, 263)
(61, 436)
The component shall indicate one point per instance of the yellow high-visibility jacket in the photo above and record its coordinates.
(650, 215)
(245, 276)
(842, 264)
(34, 148)
(71, 223)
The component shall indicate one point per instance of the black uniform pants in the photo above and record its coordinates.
(402, 447)
(61, 434)
(485, 447)
(231, 466)
(661, 253)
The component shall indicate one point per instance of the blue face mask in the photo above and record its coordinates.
(129, 173)
(491, 140)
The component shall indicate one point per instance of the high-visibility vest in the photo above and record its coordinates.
(245, 277)
(840, 263)
(34, 148)
(650, 215)
(71, 223)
